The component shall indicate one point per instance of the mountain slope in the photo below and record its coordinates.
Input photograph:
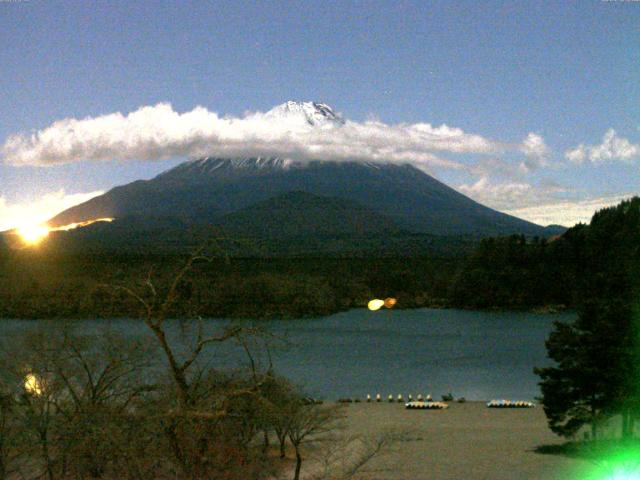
(300, 214)
(207, 189)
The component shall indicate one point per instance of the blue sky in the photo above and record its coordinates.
(566, 72)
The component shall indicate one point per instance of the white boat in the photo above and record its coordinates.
(420, 405)
(510, 404)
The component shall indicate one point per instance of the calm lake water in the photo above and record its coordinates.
(478, 355)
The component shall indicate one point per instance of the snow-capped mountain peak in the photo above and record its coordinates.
(200, 169)
(316, 114)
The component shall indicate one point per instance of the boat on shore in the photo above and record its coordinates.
(420, 405)
(510, 404)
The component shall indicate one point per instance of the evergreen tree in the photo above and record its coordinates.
(594, 362)
(597, 370)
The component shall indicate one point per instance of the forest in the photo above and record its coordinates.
(514, 272)
(37, 286)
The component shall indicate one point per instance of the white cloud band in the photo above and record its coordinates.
(566, 212)
(157, 132)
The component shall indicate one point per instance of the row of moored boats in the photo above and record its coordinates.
(421, 405)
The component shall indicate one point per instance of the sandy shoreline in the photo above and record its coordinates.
(466, 441)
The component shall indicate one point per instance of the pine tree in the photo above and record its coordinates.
(597, 357)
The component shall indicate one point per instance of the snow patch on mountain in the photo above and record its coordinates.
(311, 113)
(259, 163)
(215, 166)
(230, 167)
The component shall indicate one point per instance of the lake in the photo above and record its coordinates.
(478, 355)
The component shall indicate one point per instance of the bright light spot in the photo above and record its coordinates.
(390, 302)
(617, 462)
(32, 384)
(624, 474)
(375, 304)
(33, 234)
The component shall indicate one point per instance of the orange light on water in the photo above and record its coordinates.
(390, 302)
(377, 304)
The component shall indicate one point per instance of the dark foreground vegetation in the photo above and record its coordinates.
(80, 405)
(596, 375)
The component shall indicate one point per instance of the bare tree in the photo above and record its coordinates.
(308, 422)
(156, 308)
(93, 406)
(280, 399)
(28, 369)
(208, 406)
(343, 458)
(10, 435)
(73, 394)
(103, 379)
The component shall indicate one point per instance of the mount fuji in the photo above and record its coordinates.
(273, 197)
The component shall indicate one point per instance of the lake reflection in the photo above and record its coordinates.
(478, 355)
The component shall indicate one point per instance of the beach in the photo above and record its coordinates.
(465, 441)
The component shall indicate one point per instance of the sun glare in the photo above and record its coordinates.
(33, 234)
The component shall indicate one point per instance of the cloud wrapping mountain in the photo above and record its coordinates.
(297, 131)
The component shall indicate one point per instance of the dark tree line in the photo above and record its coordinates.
(597, 357)
(516, 272)
(35, 285)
